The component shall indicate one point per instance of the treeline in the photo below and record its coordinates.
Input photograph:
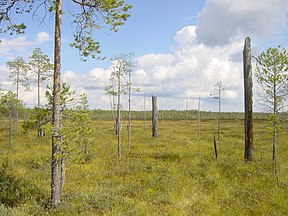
(173, 115)
(99, 114)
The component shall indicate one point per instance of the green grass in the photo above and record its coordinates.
(174, 174)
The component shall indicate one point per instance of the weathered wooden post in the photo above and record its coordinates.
(215, 148)
(154, 117)
(198, 117)
(248, 97)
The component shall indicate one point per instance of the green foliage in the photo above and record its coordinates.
(16, 191)
(271, 74)
(18, 71)
(89, 15)
(9, 103)
(40, 162)
(37, 119)
(41, 66)
(92, 16)
(20, 8)
(175, 174)
(122, 66)
(77, 131)
(67, 97)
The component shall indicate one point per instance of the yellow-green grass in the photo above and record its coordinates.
(174, 174)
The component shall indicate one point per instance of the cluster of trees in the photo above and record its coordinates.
(88, 16)
(121, 84)
(37, 70)
(272, 76)
(69, 137)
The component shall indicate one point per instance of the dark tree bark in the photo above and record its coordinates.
(248, 97)
(154, 117)
(56, 137)
(215, 148)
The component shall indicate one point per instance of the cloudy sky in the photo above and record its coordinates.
(181, 48)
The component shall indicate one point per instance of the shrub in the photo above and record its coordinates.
(16, 191)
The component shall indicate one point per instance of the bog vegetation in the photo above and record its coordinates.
(174, 174)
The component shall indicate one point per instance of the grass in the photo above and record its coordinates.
(174, 174)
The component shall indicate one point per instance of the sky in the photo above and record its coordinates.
(181, 49)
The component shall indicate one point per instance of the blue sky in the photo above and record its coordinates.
(182, 48)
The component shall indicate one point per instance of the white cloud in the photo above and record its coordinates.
(190, 70)
(10, 48)
(18, 44)
(221, 21)
(42, 37)
(186, 36)
(204, 54)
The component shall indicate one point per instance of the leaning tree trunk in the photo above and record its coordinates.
(248, 97)
(154, 117)
(56, 136)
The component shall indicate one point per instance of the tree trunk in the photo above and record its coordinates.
(129, 111)
(274, 156)
(248, 97)
(113, 112)
(198, 117)
(274, 147)
(219, 113)
(144, 113)
(118, 127)
(215, 148)
(38, 89)
(56, 136)
(10, 128)
(17, 96)
(62, 182)
(118, 123)
(154, 117)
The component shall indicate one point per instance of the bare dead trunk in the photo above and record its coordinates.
(198, 117)
(248, 97)
(144, 113)
(56, 136)
(219, 113)
(215, 148)
(154, 117)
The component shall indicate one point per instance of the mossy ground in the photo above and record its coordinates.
(174, 174)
